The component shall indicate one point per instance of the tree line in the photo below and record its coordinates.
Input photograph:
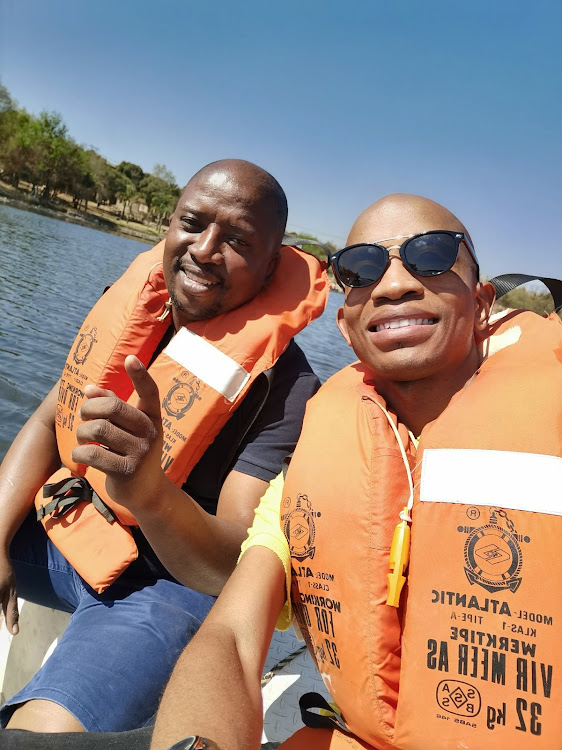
(523, 299)
(38, 150)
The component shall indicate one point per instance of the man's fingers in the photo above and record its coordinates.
(11, 612)
(146, 388)
(104, 445)
(94, 391)
(107, 461)
(117, 439)
(121, 414)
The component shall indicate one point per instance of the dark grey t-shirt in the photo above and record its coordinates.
(272, 436)
(254, 445)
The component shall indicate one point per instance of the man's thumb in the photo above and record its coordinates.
(146, 388)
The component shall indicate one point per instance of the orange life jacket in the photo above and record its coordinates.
(472, 658)
(202, 375)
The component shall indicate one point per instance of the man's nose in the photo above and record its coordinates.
(207, 246)
(397, 281)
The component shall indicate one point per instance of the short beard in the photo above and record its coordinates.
(207, 314)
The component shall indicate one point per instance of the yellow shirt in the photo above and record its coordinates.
(266, 532)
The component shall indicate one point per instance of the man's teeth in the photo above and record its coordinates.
(405, 322)
(198, 279)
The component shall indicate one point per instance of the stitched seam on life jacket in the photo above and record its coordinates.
(375, 436)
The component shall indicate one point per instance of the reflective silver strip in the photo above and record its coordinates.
(518, 481)
(207, 363)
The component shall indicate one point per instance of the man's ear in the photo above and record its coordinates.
(342, 325)
(484, 298)
(272, 265)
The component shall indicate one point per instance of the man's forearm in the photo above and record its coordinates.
(125, 443)
(215, 690)
(198, 549)
(31, 459)
(209, 694)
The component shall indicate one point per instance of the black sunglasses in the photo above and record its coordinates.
(425, 254)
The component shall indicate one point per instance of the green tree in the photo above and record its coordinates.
(125, 191)
(162, 172)
(148, 188)
(113, 182)
(74, 175)
(522, 299)
(164, 203)
(159, 195)
(132, 171)
(10, 125)
(102, 174)
(21, 146)
(314, 249)
(6, 101)
(53, 148)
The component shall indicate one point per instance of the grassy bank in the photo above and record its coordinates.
(95, 217)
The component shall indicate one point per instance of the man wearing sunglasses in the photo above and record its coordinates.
(446, 415)
(444, 662)
(420, 667)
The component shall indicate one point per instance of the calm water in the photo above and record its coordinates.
(51, 273)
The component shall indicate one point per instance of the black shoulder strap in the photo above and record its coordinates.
(508, 281)
(300, 241)
(310, 704)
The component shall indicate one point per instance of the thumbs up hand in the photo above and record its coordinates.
(124, 441)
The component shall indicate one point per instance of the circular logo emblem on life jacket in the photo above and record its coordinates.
(84, 346)
(459, 698)
(299, 529)
(493, 558)
(180, 398)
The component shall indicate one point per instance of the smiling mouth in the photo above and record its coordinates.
(403, 323)
(196, 278)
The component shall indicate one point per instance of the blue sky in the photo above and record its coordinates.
(342, 101)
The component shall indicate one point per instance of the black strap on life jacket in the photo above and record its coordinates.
(300, 241)
(328, 720)
(508, 281)
(67, 494)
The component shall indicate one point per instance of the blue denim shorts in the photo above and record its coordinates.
(112, 663)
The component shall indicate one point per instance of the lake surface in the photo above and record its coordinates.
(51, 273)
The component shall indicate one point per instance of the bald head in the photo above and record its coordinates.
(402, 213)
(227, 172)
(413, 322)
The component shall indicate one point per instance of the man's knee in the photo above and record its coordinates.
(44, 716)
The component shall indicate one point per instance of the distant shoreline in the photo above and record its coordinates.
(83, 218)
(9, 196)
